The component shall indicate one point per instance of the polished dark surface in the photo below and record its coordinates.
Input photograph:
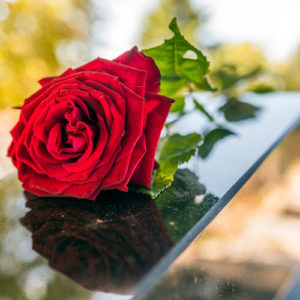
(123, 243)
(105, 245)
(233, 160)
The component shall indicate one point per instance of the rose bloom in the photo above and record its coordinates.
(92, 128)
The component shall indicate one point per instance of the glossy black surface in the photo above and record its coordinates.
(124, 242)
(233, 160)
(106, 245)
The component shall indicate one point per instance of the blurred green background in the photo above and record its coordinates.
(34, 37)
(42, 38)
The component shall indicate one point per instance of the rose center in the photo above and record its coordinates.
(70, 138)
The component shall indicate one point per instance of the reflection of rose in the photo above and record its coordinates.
(92, 128)
(105, 245)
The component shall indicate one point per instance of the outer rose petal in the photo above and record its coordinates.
(157, 108)
(139, 152)
(139, 60)
(47, 80)
(131, 77)
(41, 184)
(134, 111)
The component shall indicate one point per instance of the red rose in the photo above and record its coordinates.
(91, 129)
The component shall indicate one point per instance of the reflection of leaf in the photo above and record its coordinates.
(179, 208)
(211, 138)
(176, 70)
(159, 184)
(201, 108)
(176, 150)
(235, 110)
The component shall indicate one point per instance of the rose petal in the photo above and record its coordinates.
(134, 111)
(139, 151)
(133, 78)
(46, 80)
(39, 182)
(157, 108)
(90, 162)
(139, 60)
(113, 94)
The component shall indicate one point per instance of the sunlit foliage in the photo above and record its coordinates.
(243, 67)
(290, 72)
(38, 39)
(156, 25)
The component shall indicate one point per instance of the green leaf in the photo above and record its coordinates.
(175, 150)
(178, 105)
(211, 138)
(201, 108)
(177, 70)
(235, 110)
(171, 86)
(177, 205)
